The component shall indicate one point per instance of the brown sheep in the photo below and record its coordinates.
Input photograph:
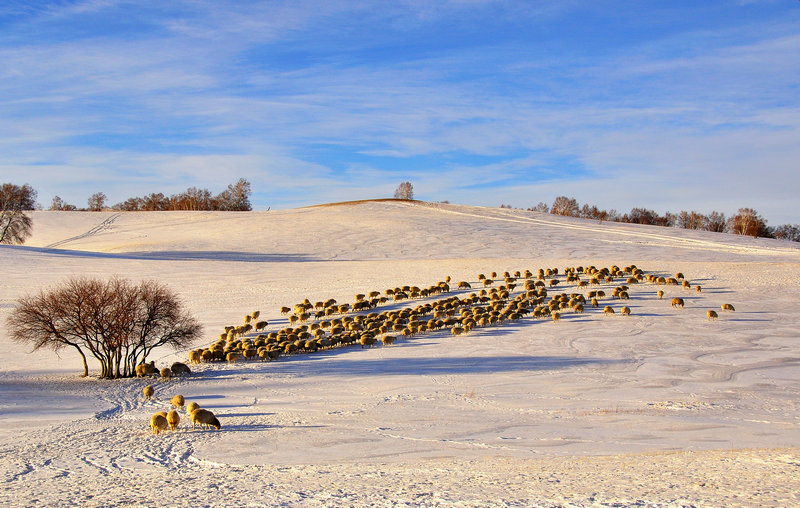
(180, 369)
(191, 407)
(166, 373)
(195, 356)
(608, 310)
(177, 401)
(727, 306)
(205, 418)
(712, 315)
(158, 422)
(367, 339)
(660, 294)
(173, 420)
(556, 316)
(677, 302)
(388, 340)
(148, 392)
(146, 369)
(626, 311)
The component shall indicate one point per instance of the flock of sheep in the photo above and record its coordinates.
(506, 297)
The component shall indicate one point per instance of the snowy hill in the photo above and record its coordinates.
(490, 406)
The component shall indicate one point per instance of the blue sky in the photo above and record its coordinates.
(667, 105)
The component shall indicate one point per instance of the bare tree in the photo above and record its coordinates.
(192, 199)
(404, 191)
(747, 221)
(97, 202)
(130, 205)
(690, 220)
(541, 207)
(155, 201)
(788, 232)
(15, 224)
(59, 205)
(716, 222)
(236, 198)
(563, 205)
(114, 321)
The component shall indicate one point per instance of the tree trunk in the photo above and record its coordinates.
(85, 365)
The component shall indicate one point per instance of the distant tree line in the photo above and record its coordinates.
(746, 221)
(236, 198)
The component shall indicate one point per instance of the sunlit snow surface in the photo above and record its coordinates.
(662, 406)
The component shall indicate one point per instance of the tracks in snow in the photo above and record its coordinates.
(103, 226)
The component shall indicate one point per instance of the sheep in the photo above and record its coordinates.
(146, 369)
(677, 302)
(173, 419)
(727, 306)
(285, 310)
(698, 289)
(177, 401)
(660, 294)
(556, 316)
(232, 357)
(712, 315)
(191, 407)
(166, 373)
(608, 310)
(626, 311)
(179, 369)
(195, 356)
(388, 340)
(148, 392)
(158, 422)
(205, 418)
(367, 339)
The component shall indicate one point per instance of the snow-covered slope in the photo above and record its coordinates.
(419, 422)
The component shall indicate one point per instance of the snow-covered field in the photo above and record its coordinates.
(660, 407)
